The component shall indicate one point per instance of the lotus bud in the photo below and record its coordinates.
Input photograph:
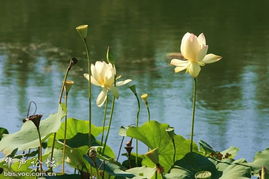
(82, 31)
(145, 97)
(129, 147)
(68, 84)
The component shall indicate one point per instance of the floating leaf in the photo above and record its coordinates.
(27, 136)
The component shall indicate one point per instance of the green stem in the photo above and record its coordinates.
(193, 111)
(65, 128)
(40, 150)
(120, 148)
(110, 121)
(137, 122)
(89, 89)
(104, 121)
(60, 101)
(147, 105)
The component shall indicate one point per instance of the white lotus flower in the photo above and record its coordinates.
(103, 75)
(194, 51)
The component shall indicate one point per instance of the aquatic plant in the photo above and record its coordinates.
(65, 140)
(193, 50)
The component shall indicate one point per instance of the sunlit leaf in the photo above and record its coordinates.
(155, 135)
(27, 136)
(142, 172)
(261, 159)
(231, 152)
(108, 166)
(75, 126)
(238, 170)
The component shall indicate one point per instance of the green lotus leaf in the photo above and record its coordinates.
(177, 172)
(27, 136)
(110, 167)
(193, 163)
(77, 135)
(142, 172)
(155, 135)
(261, 159)
(231, 152)
(75, 126)
(238, 169)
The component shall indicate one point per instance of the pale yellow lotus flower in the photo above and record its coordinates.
(194, 51)
(103, 75)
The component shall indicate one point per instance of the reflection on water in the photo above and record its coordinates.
(38, 38)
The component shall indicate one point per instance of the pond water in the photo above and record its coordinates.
(37, 39)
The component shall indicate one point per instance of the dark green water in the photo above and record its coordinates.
(37, 38)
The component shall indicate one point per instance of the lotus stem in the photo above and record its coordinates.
(110, 121)
(120, 147)
(65, 130)
(89, 89)
(193, 111)
(137, 122)
(72, 62)
(40, 149)
(147, 105)
(104, 121)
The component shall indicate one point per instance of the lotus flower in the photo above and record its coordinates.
(194, 52)
(103, 75)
